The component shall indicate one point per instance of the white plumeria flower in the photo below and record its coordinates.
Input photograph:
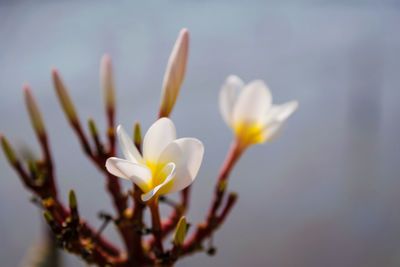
(168, 164)
(249, 111)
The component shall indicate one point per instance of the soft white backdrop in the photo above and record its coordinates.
(326, 193)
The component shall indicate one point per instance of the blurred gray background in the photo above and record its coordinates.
(326, 193)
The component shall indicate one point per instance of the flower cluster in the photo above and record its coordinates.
(158, 165)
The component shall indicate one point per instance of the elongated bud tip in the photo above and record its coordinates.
(92, 127)
(106, 59)
(180, 231)
(72, 199)
(137, 134)
(184, 34)
(107, 82)
(33, 110)
(8, 150)
(175, 73)
(54, 71)
(63, 96)
(233, 196)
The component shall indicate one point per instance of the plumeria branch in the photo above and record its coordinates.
(157, 165)
(41, 181)
(124, 225)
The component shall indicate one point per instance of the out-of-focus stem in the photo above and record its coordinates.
(214, 220)
(233, 156)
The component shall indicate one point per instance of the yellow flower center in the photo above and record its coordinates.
(249, 133)
(159, 174)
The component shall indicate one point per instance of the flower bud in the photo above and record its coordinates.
(72, 200)
(34, 112)
(174, 73)
(180, 232)
(137, 136)
(92, 127)
(107, 82)
(64, 97)
(8, 150)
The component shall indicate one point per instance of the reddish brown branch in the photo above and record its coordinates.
(156, 226)
(110, 112)
(213, 221)
(45, 188)
(60, 212)
(204, 231)
(49, 177)
(230, 161)
(137, 223)
(169, 224)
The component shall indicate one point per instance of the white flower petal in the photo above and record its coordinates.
(139, 174)
(278, 114)
(127, 147)
(273, 131)
(187, 154)
(285, 110)
(253, 103)
(159, 135)
(228, 95)
(163, 188)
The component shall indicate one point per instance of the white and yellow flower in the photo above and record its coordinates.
(168, 164)
(249, 111)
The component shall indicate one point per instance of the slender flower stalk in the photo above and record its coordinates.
(174, 74)
(39, 128)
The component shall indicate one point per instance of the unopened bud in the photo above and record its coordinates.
(232, 196)
(33, 110)
(180, 232)
(137, 136)
(8, 150)
(92, 127)
(72, 200)
(107, 82)
(63, 97)
(174, 74)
